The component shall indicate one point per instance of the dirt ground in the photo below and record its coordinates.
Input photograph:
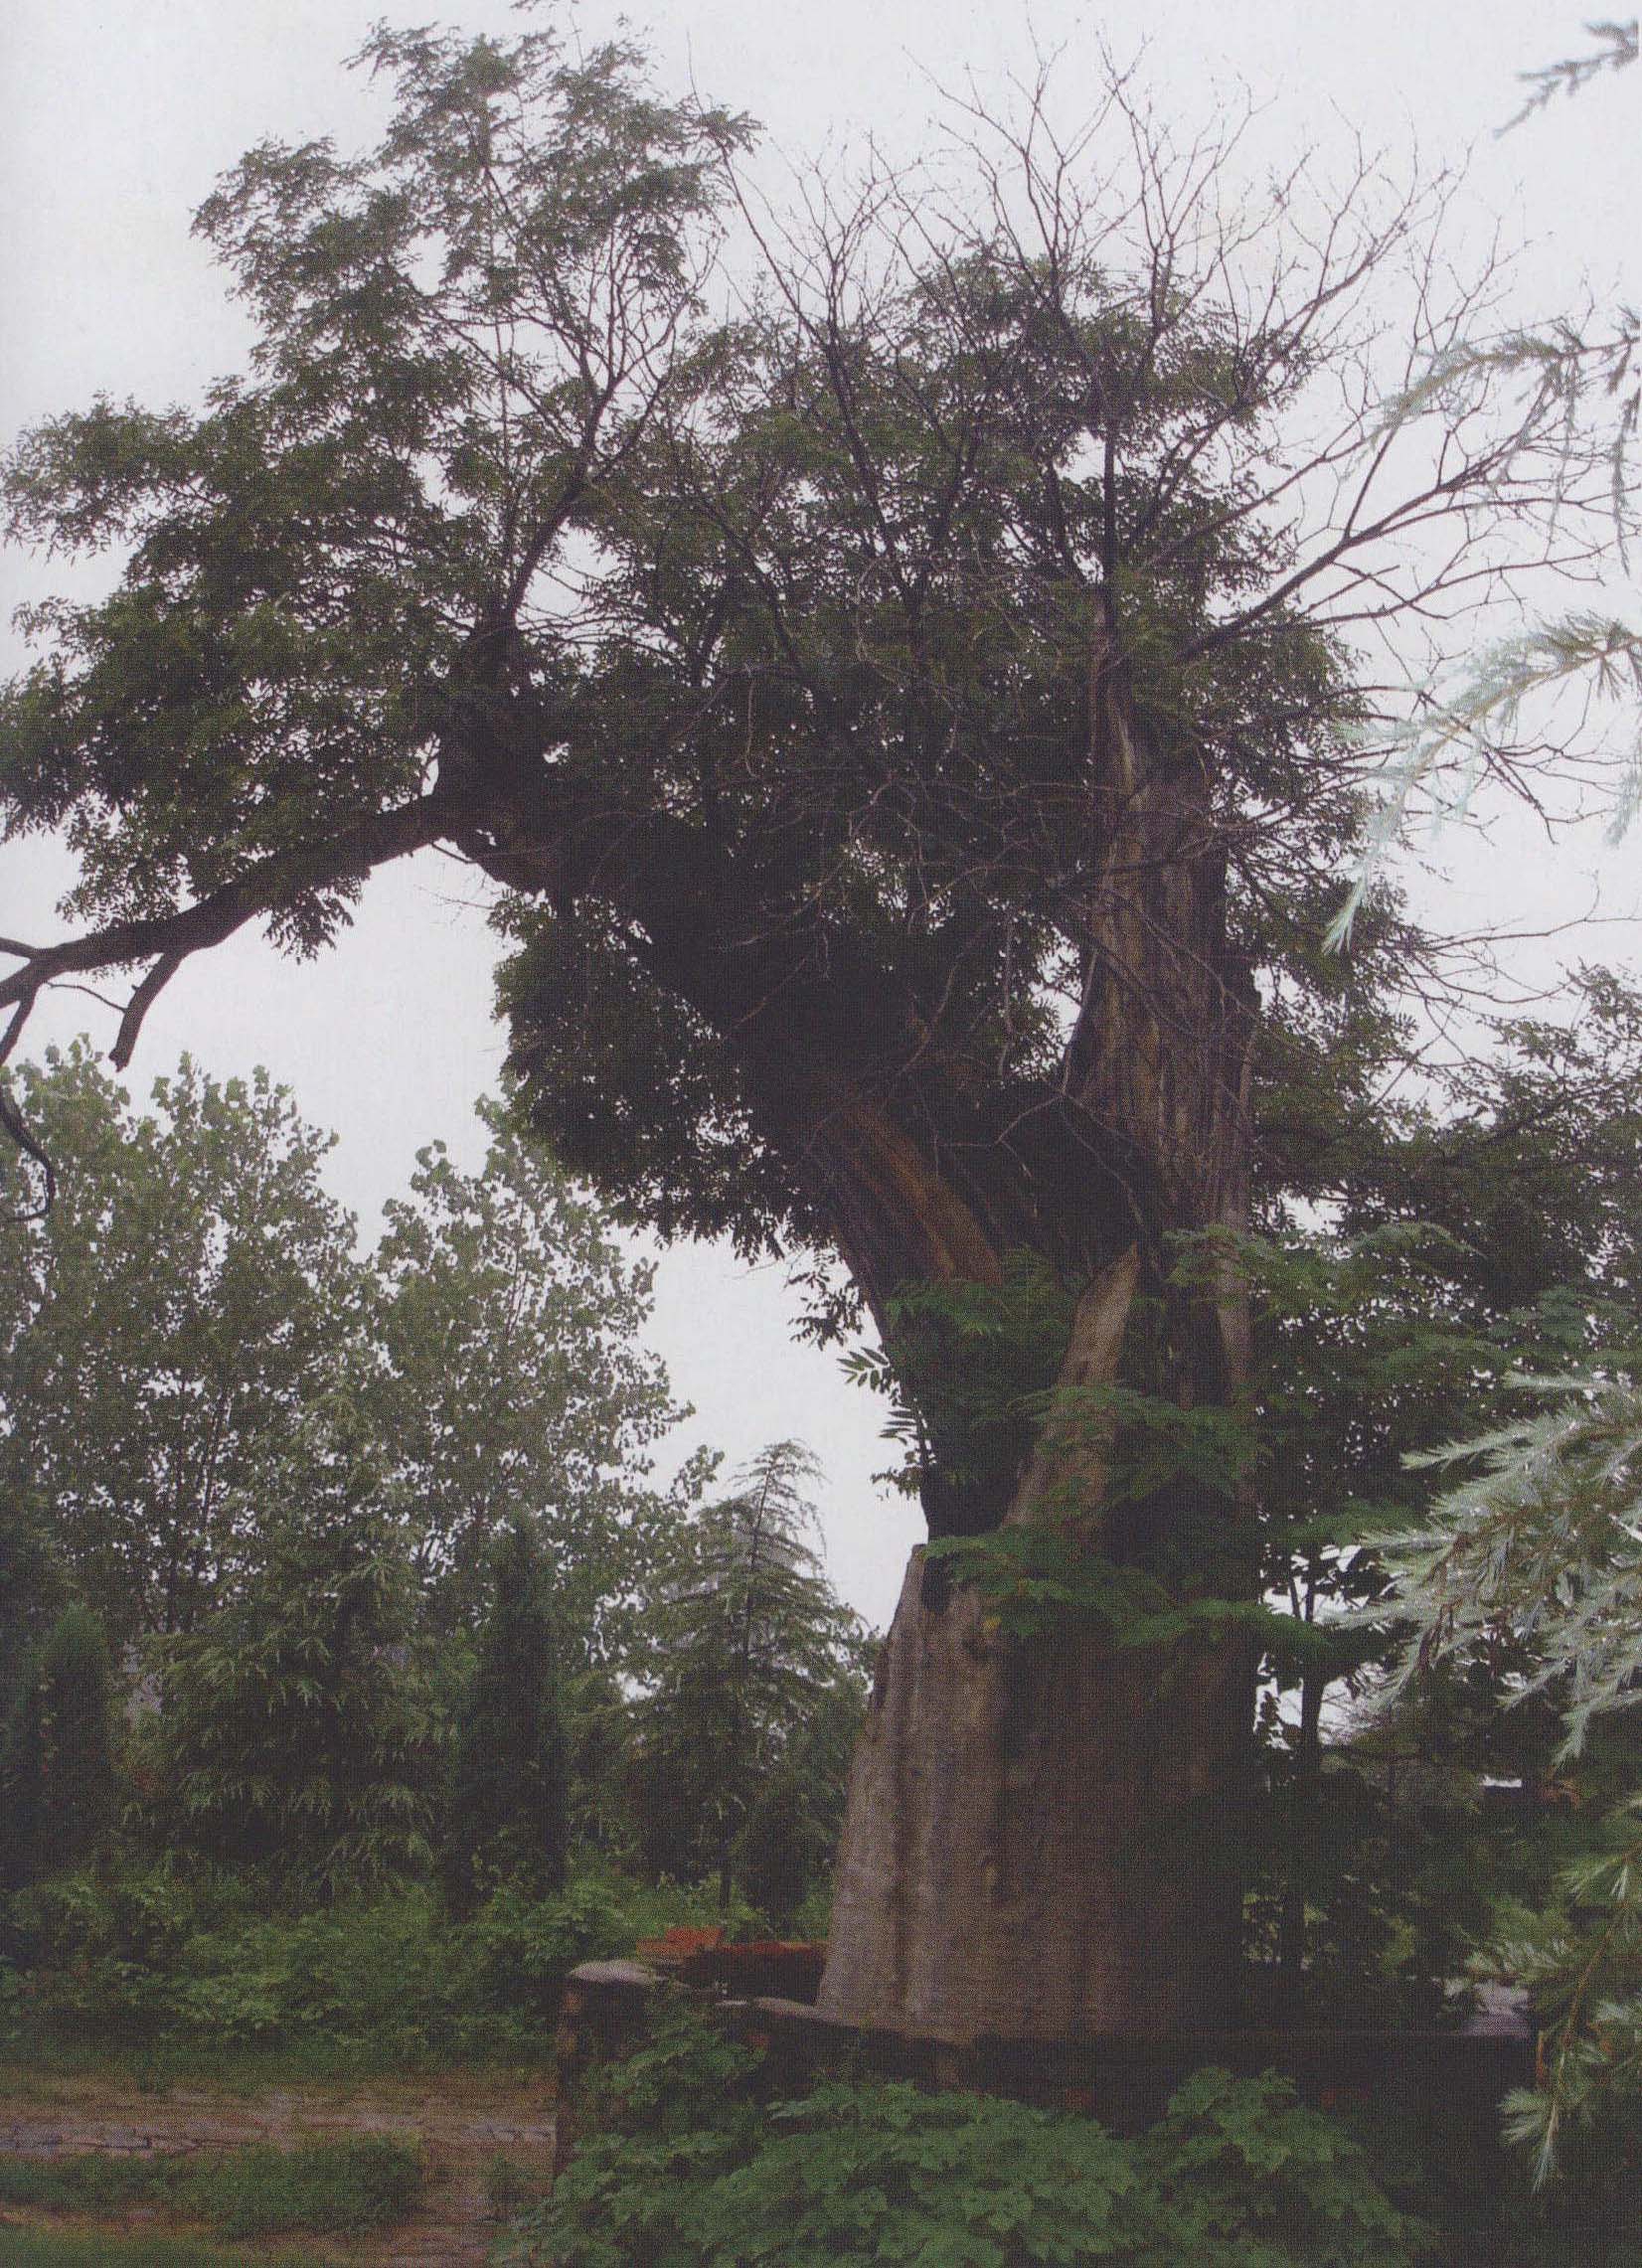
(463, 2123)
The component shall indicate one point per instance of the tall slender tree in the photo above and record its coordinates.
(508, 1815)
(297, 1740)
(56, 1764)
(909, 667)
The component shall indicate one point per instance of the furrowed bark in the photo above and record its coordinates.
(1040, 1839)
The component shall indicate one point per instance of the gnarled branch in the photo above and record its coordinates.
(165, 941)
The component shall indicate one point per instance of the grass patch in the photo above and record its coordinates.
(42, 2072)
(61, 2248)
(146, 2069)
(86, 2182)
(342, 2188)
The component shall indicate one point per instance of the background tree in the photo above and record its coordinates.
(31, 1592)
(918, 719)
(193, 1288)
(56, 1767)
(746, 1721)
(296, 1740)
(511, 1386)
(1484, 1220)
(508, 1812)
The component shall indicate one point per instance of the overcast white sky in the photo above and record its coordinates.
(119, 116)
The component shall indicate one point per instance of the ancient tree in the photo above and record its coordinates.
(906, 659)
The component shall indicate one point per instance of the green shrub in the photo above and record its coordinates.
(511, 2186)
(13, 2004)
(147, 1957)
(374, 1974)
(99, 1950)
(691, 2172)
(1238, 2173)
(517, 1951)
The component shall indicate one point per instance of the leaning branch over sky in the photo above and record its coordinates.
(1616, 49)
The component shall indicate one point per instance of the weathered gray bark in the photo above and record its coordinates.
(1037, 1844)
(1040, 1838)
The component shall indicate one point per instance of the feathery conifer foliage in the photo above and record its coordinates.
(744, 1729)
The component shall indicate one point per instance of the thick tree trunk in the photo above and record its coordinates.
(1040, 1840)
(1042, 1835)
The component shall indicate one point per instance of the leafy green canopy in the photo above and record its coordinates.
(775, 610)
(442, 325)
(194, 1288)
(509, 1382)
(195, 1291)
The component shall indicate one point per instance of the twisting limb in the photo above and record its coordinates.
(165, 941)
(168, 939)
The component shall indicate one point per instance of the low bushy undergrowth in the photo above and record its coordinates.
(147, 1958)
(690, 2170)
(342, 2188)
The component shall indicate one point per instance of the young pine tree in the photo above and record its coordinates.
(736, 1777)
(509, 1785)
